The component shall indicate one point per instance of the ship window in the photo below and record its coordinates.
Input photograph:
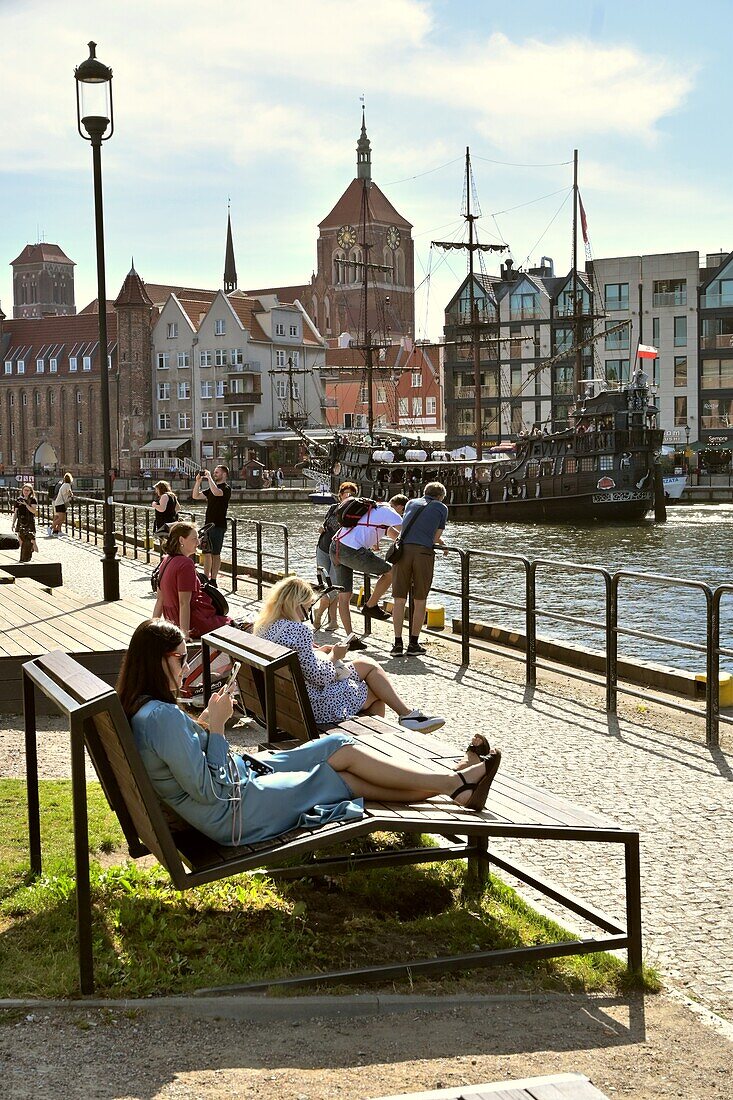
(588, 463)
(571, 465)
(546, 467)
(558, 464)
(533, 468)
(606, 462)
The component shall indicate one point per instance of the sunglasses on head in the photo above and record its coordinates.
(307, 609)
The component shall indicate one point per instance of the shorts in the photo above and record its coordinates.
(216, 539)
(413, 570)
(60, 508)
(359, 561)
(324, 563)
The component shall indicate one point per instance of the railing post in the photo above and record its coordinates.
(612, 645)
(235, 563)
(147, 537)
(712, 655)
(286, 549)
(86, 517)
(124, 529)
(134, 530)
(530, 601)
(465, 556)
(258, 536)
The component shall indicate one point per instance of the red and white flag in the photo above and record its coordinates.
(583, 220)
(646, 351)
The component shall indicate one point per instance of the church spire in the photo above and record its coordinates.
(363, 152)
(230, 269)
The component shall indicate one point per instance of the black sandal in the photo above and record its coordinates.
(480, 790)
(477, 752)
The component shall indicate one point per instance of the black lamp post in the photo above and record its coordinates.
(94, 112)
(687, 436)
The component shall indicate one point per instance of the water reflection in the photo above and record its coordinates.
(694, 544)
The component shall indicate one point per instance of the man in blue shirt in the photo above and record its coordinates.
(415, 568)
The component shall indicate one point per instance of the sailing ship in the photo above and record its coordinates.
(601, 467)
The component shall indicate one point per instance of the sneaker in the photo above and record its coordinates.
(377, 612)
(210, 580)
(414, 648)
(398, 648)
(356, 643)
(420, 723)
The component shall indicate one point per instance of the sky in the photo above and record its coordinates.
(259, 104)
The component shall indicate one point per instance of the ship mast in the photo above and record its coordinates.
(578, 361)
(474, 325)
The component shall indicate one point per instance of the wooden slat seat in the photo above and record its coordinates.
(97, 723)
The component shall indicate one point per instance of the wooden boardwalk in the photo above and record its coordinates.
(35, 620)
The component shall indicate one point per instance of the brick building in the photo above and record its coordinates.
(43, 282)
(407, 389)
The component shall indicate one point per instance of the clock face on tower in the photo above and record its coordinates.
(346, 236)
(393, 237)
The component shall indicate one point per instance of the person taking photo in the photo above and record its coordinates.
(216, 495)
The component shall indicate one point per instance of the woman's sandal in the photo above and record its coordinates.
(480, 790)
(478, 750)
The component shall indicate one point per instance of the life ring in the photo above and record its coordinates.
(380, 492)
(497, 473)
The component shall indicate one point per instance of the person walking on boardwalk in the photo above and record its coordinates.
(62, 500)
(422, 529)
(24, 521)
(216, 495)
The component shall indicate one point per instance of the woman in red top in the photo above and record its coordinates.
(181, 599)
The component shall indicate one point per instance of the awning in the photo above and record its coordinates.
(163, 444)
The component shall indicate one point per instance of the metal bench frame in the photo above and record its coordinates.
(97, 723)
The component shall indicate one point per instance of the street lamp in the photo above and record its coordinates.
(94, 112)
(687, 436)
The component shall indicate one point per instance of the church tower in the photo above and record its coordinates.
(134, 390)
(43, 282)
(364, 216)
(230, 269)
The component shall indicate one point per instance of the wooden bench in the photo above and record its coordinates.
(557, 1086)
(45, 572)
(97, 723)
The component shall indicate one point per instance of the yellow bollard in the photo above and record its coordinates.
(435, 616)
(725, 691)
(360, 597)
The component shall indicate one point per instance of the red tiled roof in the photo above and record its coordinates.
(245, 309)
(40, 253)
(194, 309)
(395, 356)
(159, 293)
(347, 210)
(286, 294)
(133, 291)
(55, 337)
(93, 307)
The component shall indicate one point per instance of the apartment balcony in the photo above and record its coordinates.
(525, 314)
(463, 393)
(329, 402)
(251, 397)
(487, 350)
(670, 298)
(719, 300)
(244, 368)
(723, 341)
(569, 311)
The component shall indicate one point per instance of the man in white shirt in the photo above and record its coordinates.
(353, 550)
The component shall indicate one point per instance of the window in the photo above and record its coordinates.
(381, 394)
(617, 371)
(21, 366)
(25, 398)
(40, 366)
(417, 406)
(184, 391)
(416, 382)
(403, 406)
(295, 358)
(606, 462)
(8, 367)
(220, 327)
(716, 374)
(207, 420)
(670, 292)
(617, 295)
(12, 398)
(221, 388)
(279, 329)
(588, 464)
(222, 420)
(237, 357)
(220, 357)
(430, 406)
(680, 412)
(571, 465)
(86, 363)
(79, 429)
(184, 421)
(655, 331)
(172, 330)
(618, 340)
(164, 421)
(516, 381)
(72, 362)
(78, 397)
(563, 340)
(204, 358)
(523, 306)
(53, 365)
(281, 388)
(680, 370)
(680, 332)
(280, 358)
(164, 391)
(163, 360)
(294, 330)
(184, 359)
(363, 395)
(207, 390)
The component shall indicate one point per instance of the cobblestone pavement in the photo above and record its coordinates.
(649, 772)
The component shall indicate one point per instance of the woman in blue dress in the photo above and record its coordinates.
(240, 799)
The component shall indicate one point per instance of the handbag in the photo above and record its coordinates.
(394, 552)
(204, 540)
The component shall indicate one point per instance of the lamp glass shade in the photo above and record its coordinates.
(94, 90)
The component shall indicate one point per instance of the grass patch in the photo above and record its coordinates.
(149, 939)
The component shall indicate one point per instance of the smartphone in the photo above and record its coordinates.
(232, 681)
(348, 640)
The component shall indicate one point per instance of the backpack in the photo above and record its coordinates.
(218, 599)
(350, 511)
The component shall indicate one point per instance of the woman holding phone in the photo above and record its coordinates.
(240, 799)
(336, 688)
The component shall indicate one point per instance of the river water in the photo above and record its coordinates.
(696, 543)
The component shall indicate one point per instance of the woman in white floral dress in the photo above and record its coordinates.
(335, 688)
